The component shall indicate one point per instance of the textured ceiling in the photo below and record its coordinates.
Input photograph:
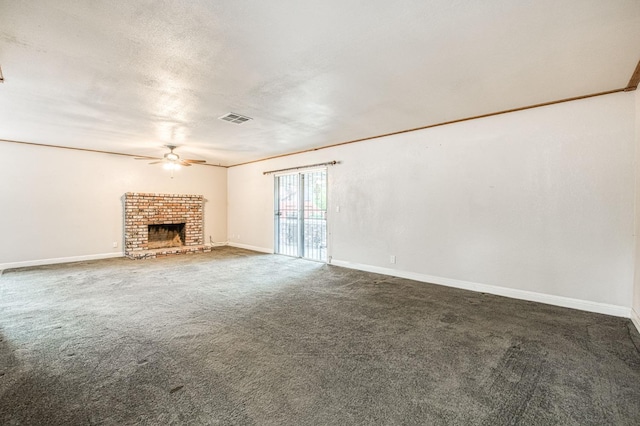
(133, 76)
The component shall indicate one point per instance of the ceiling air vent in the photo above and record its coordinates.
(235, 118)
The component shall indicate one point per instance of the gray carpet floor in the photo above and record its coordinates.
(236, 337)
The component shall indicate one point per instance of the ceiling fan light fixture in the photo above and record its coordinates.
(172, 161)
(171, 166)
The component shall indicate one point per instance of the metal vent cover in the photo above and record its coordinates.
(232, 117)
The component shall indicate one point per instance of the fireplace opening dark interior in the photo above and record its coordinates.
(166, 235)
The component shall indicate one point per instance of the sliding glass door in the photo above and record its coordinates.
(301, 214)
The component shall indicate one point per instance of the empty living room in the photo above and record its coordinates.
(325, 213)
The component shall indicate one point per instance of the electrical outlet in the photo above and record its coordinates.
(337, 209)
(115, 244)
(392, 259)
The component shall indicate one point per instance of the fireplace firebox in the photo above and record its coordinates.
(166, 235)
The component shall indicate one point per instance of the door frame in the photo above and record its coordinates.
(301, 210)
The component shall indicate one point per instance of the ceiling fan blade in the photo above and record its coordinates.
(157, 162)
(195, 161)
(184, 163)
(146, 158)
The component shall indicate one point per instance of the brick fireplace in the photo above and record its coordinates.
(175, 223)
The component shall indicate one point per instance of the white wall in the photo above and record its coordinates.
(635, 316)
(535, 201)
(57, 203)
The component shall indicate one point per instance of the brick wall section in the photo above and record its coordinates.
(142, 209)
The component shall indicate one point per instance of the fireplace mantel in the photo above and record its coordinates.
(144, 209)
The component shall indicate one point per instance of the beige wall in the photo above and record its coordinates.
(65, 204)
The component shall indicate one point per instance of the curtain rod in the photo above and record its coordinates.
(330, 163)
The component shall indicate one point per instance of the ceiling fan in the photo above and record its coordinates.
(171, 160)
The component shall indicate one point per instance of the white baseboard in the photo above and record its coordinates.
(41, 262)
(635, 319)
(254, 248)
(566, 302)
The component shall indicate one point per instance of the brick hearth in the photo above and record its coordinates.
(142, 210)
